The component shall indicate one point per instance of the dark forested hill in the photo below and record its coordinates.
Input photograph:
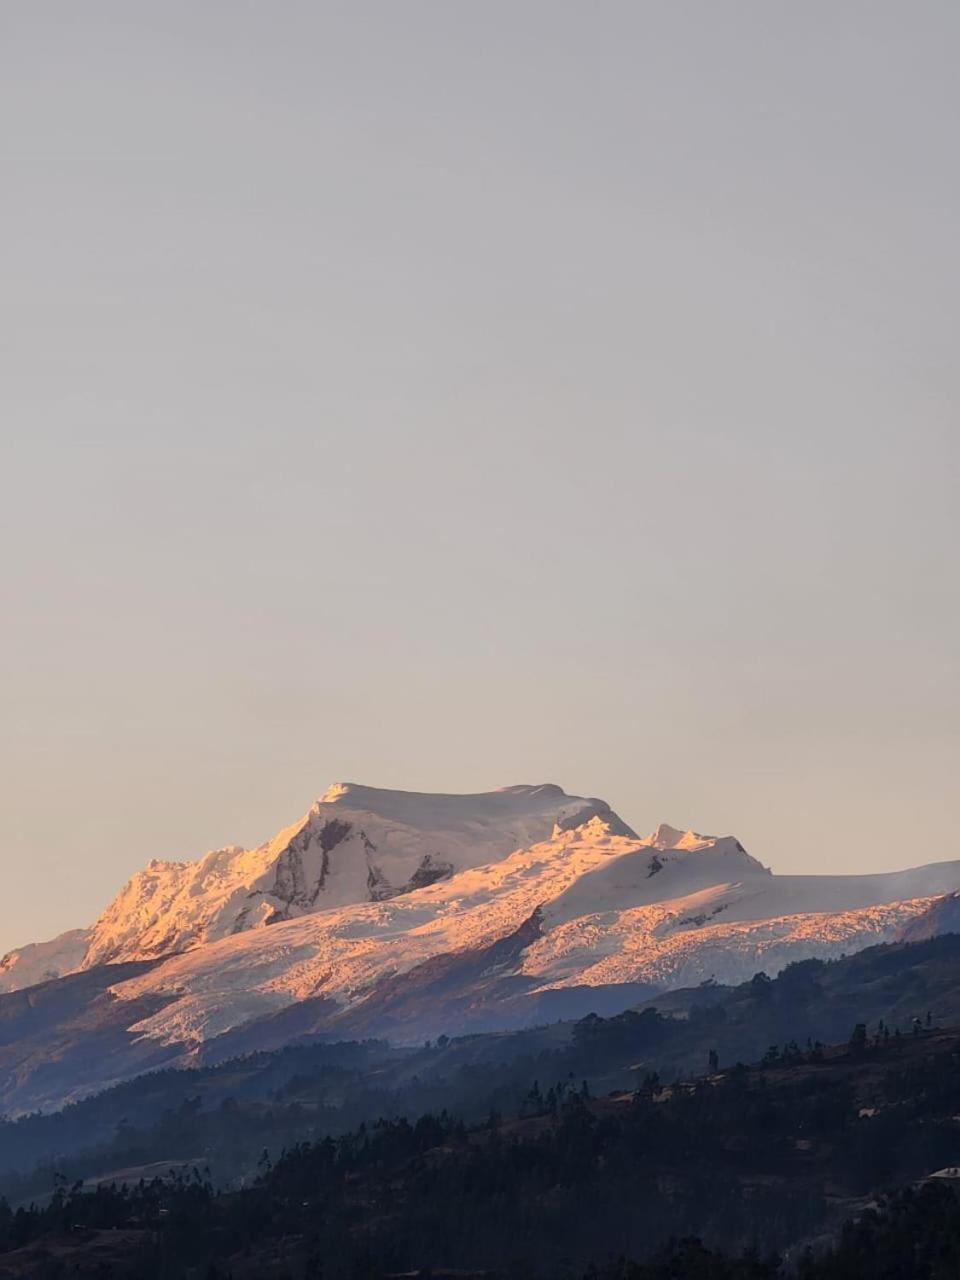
(761, 1159)
(226, 1115)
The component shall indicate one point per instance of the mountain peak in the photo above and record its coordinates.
(524, 812)
(361, 790)
(432, 810)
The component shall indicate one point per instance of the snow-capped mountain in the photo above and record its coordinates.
(356, 844)
(410, 915)
(599, 907)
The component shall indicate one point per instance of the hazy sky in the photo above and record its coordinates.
(444, 395)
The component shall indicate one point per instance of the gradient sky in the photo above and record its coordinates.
(445, 395)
